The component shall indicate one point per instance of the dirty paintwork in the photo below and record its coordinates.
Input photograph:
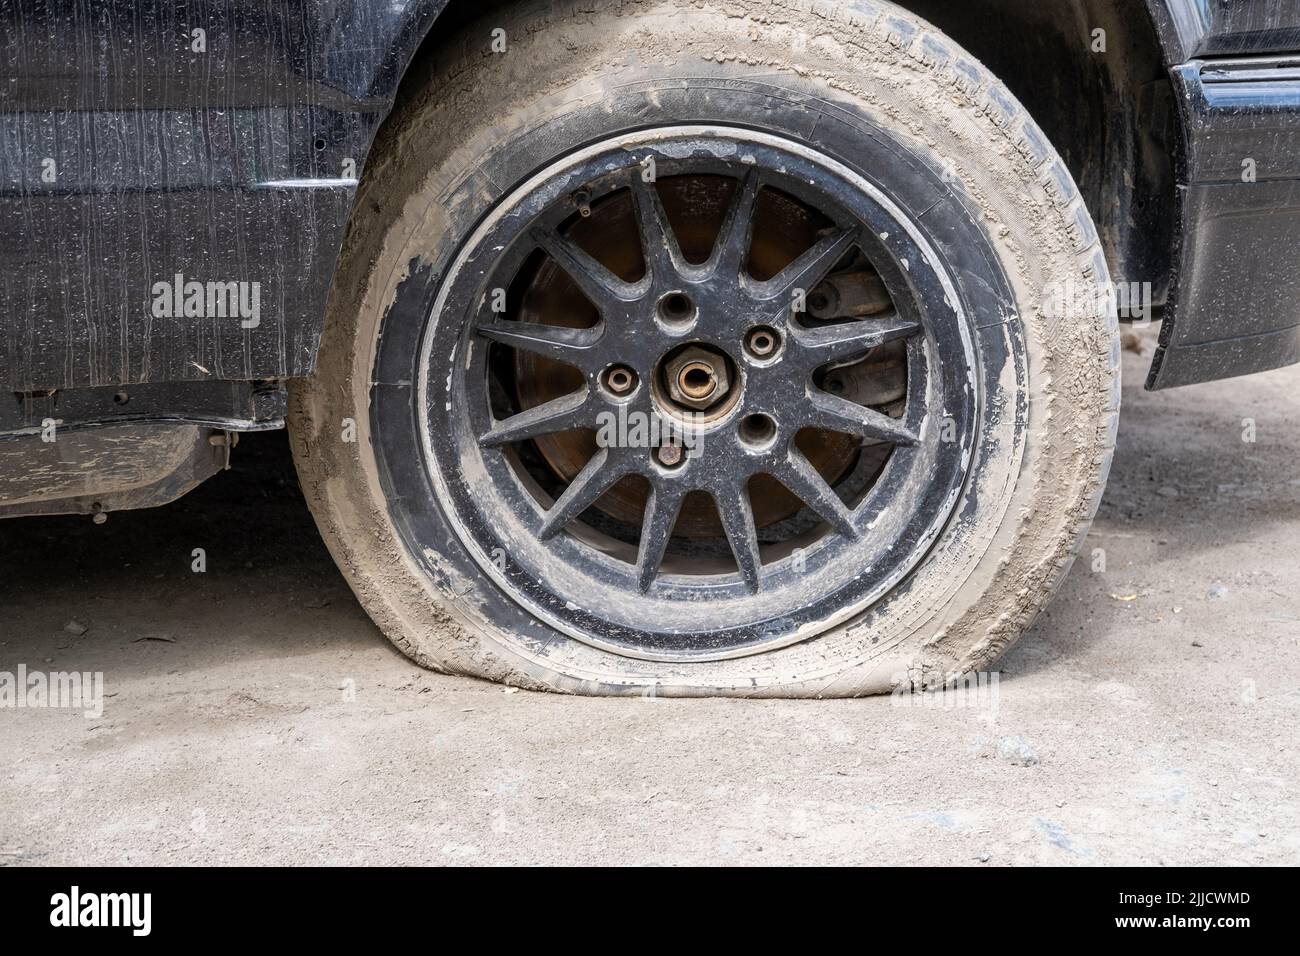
(143, 140)
(1205, 28)
(96, 471)
(1234, 301)
(148, 150)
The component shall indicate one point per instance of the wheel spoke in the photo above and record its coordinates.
(732, 248)
(807, 484)
(659, 244)
(558, 342)
(812, 266)
(558, 415)
(737, 514)
(602, 287)
(588, 485)
(661, 511)
(832, 413)
(831, 343)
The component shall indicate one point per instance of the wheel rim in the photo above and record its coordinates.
(562, 546)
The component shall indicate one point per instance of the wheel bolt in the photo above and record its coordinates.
(669, 455)
(620, 380)
(762, 342)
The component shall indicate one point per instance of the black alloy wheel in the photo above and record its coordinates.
(760, 359)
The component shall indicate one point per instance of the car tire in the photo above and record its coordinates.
(1012, 401)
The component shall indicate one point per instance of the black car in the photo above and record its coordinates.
(674, 347)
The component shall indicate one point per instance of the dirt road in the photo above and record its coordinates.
(254, 715)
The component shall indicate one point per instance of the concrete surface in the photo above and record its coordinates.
(255, 716)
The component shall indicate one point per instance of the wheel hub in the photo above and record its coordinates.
(698, 379)
(695, 205)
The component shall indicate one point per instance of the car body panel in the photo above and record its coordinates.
(142, 176)
(141, 141)
(1234, 306)
(1192, 29)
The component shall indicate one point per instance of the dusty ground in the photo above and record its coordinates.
(1158, 697)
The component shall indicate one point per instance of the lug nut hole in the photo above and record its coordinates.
(676, 308)
(757, 431)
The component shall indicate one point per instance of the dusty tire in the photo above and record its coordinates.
(969, 174)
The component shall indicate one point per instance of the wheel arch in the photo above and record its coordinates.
(1118, 140)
